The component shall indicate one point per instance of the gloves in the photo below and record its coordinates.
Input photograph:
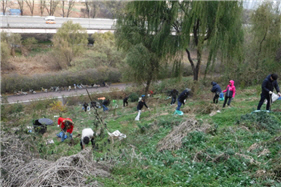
(270, 92)
(279, 94)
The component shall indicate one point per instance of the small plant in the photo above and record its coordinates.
(261, 120)
(134, 97)
(58, 106)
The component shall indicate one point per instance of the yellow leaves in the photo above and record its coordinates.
(58, 106)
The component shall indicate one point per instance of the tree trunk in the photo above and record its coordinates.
(147, 86)
(195, 69)
(70, 6)
(260, 46)
(63, 6)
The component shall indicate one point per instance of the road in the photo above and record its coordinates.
(10, 21)
(40, 95)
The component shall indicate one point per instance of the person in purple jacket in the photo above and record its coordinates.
(230, 93)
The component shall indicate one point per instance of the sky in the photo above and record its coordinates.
(253, 4)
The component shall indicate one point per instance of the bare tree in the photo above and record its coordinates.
(30, 4)
(4, 6)
(21, 6)
(63, 8)
(94, 8)
(42, 6)
(51, 6)
(87, 7)
(70, 6)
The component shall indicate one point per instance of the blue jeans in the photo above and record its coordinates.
(63, 136)
(179, 105)
(104, 108)
(173, 100)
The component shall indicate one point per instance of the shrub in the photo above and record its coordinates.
(15, 82)
(194, 139)
(58, 106)
(134, 97)
(261, 120)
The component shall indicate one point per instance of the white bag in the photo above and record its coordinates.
(274, 97)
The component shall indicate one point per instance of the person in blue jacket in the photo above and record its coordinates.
(267, 87)
(217, 90)
(182, 98)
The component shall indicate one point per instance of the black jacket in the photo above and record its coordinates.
(215, 88)
(268, 85)
(141, 104)
(183, 96)
(125, 99)
(106, 102)
(174, 93)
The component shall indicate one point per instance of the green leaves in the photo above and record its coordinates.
(261, 120)
(69, 41)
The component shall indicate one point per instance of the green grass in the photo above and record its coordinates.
(223, 158)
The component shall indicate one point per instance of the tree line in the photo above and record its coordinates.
(155, 36)
(152, 33)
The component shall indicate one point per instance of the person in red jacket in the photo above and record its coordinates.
(66, 125)
(230, 93)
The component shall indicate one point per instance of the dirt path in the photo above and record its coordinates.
(26, 98)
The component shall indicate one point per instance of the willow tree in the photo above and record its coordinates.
(144, 33)
(266, 41)
(166, 28)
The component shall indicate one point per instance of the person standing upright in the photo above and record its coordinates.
(267, 87)
(230, 93)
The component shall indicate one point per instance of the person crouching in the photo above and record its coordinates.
(87, 135)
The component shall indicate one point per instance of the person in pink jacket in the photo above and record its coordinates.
(230, 93)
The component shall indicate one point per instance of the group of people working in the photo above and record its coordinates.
(267, 87)
(67, 125)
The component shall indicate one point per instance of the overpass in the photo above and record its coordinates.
(37, 25)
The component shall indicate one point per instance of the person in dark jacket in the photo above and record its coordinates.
(182, 98)
(125, 101)
(139, 107)
(267, 87)
(105, 103)
(174, 93)
(217, 90)
(85, 105)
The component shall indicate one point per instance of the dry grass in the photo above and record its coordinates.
(38, 64)
(173, 140)
(23, 168)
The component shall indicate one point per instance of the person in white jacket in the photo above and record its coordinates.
(87, 135)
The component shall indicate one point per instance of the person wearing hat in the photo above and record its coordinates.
(217, 90)
(140, 106)
(66, 125)
(87, 135)
(267, 88)
(182, 98)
